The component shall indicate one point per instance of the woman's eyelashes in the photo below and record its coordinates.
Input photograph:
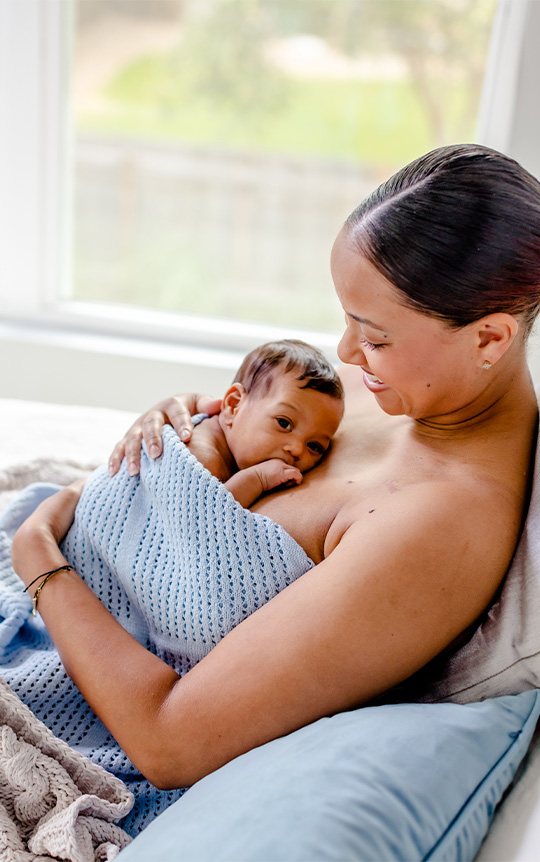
(371, 345)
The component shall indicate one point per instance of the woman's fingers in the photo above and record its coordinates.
(176, 411)
(208, 404)
(132, 448)
(152, 433)
(116, 457)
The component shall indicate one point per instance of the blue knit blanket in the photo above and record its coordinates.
(174, 558)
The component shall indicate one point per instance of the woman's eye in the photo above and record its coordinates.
(286, 424)
(371, 345)
(316, 448)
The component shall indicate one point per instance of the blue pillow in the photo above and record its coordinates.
(404, 781)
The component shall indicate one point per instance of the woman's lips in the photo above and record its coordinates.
(373, 383)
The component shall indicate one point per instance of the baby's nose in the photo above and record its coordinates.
(295, 447)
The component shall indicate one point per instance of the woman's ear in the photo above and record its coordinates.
(495, 334)
(232, 399)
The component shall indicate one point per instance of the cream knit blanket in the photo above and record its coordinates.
(54, 803)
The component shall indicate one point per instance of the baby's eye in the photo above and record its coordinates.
(316, 448)
(284, 423)
(371, 345)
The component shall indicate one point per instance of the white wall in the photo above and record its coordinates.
(105, 371)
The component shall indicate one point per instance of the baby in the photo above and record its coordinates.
(276, 421)
(171, 553)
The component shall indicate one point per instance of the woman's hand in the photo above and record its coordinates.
(35, 544)
(176, 411)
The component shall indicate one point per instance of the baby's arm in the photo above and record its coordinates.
(247, 485)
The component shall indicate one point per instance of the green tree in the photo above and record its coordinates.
(220, 57)
(441, 42)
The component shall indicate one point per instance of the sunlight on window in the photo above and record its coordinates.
(220, 144)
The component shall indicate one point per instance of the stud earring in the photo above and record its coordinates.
(487, 365)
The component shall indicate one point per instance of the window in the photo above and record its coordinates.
(162, 194)
(220, 144)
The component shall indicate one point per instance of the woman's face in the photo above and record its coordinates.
(414, 364)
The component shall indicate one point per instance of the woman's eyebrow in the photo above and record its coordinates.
(367, 322)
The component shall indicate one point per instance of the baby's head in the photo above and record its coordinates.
(286, 402)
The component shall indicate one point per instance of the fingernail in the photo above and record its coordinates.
(184, 434)
(132, 469)
(154, 450)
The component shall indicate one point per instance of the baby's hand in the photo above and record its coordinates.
(276, 472)
(248, 484)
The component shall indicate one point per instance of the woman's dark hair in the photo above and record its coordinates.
(258, 370)
(457, 231)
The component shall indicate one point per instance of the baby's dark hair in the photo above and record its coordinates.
(289, 356)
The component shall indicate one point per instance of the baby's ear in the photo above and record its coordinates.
(232, 399)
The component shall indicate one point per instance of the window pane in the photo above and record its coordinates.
(220, 144)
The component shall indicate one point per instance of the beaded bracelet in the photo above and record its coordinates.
(46, 577)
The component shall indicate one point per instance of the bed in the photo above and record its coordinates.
(60, 443)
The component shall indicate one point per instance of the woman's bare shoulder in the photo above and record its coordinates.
(426, 558)
(457, 508)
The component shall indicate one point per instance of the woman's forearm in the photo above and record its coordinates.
(174, 730)
(126, 685)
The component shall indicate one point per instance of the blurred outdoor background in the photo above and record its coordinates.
(220, 144)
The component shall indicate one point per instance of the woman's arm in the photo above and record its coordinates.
(393, 593)
(176, 411)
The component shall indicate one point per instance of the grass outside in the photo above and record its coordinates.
(374, 122)
(380, 124)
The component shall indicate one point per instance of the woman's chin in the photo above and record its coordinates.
(390, 402)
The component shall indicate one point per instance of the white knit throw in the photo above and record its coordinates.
(54, 803)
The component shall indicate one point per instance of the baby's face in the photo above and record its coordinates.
(287, 422)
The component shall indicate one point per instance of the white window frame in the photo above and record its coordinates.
(509, 119)
(32, 145)
(34, 204)
(34, 196)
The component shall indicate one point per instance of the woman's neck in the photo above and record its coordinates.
(508, 402)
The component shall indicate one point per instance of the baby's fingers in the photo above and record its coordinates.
(292, 476)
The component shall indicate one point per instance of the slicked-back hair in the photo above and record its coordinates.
(289, 356)
(457, 232)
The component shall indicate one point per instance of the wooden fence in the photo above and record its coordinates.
(228, 234)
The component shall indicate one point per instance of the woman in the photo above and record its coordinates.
(413, 518)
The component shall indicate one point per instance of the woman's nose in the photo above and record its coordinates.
(349, 350)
